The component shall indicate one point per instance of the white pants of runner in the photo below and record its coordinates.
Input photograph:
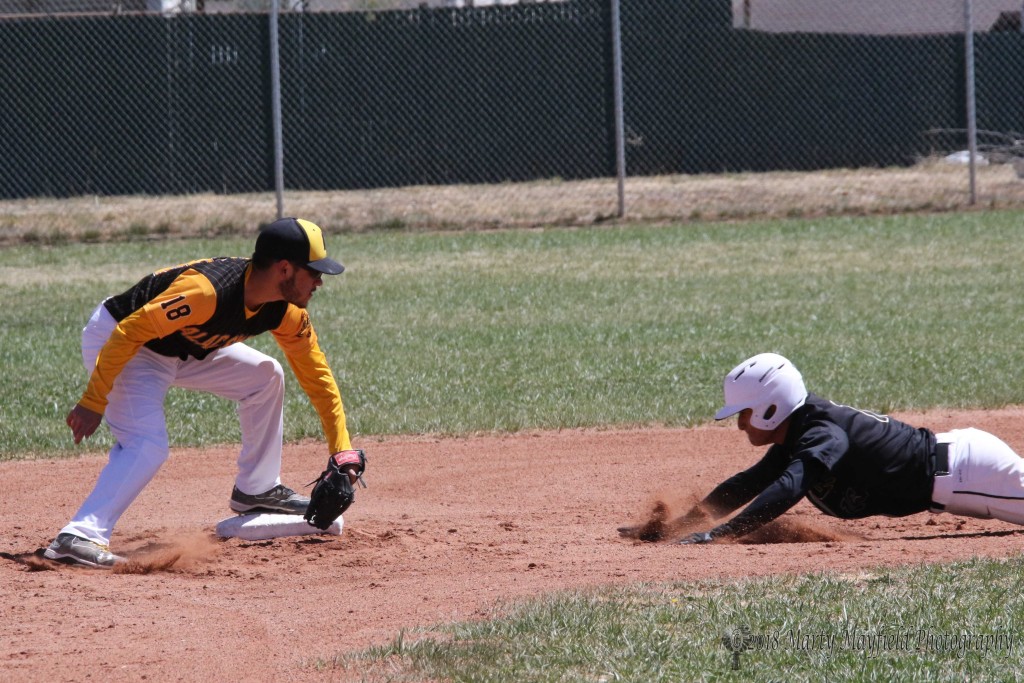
(135, 415)
(986, 477)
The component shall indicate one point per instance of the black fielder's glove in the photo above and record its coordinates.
(334, 493)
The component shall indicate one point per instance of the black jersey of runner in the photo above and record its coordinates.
(228, 323)
(849, 463)
(859, 463)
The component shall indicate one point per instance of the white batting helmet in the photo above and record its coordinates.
(769, 385)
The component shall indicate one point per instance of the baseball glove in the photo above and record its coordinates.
(333, 493)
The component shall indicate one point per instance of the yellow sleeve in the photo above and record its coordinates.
(190, 300)
(297, 338)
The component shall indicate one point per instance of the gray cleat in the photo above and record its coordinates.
(278, 499)
(73, 549)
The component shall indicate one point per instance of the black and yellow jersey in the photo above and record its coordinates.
(193, 309)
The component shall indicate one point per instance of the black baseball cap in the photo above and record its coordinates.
(298, 240)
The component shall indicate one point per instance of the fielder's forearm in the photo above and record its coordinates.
(309, 364)
(124, 342)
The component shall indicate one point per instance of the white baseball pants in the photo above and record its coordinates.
(986, 477)
(135, 415)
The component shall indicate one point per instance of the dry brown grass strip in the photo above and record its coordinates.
(929, 186)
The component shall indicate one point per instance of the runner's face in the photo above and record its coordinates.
(757, 437)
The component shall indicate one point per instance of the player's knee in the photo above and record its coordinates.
(146, 451)
(264, 381)
(272, 374)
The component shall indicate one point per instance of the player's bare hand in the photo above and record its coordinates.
(699, 538)
(353, 474)
(83, 422)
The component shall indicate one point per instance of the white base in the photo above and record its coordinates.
(261, 526)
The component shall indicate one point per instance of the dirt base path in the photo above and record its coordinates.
(448, 529)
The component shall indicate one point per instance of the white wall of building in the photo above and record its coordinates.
(869, 16)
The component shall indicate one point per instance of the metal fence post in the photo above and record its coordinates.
(620, 138)
(275, 104)
(972, 124)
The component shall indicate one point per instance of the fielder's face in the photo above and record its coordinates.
(298, 289)
(757, 437)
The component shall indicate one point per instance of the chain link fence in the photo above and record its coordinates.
(503, 114)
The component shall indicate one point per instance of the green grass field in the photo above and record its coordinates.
(456, 333)
(957, 622)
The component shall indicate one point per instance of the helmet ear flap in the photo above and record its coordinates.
(769, 412)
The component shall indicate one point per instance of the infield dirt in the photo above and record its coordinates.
(449, 530)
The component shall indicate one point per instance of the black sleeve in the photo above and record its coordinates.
(740, 489)
(775, 499)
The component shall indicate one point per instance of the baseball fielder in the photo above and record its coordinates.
(849, 463)
(184, 326)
